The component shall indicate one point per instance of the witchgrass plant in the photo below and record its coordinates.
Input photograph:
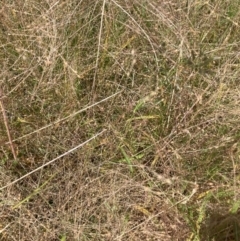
(159, 81)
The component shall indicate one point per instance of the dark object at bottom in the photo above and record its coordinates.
(221, 228)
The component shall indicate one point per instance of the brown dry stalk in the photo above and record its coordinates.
(5, 120)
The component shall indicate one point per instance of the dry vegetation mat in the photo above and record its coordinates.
(119, 120)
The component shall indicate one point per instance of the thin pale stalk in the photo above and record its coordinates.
(5, 120)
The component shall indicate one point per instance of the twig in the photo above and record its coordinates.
(5, 120)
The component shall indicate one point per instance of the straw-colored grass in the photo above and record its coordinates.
(120, 120)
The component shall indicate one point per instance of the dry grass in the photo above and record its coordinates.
(168, 161)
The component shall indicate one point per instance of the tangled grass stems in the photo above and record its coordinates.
(169, 160)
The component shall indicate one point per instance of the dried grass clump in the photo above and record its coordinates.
(120, 120)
